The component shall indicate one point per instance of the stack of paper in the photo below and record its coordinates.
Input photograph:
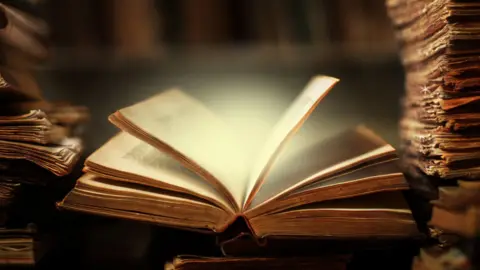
(439, 47)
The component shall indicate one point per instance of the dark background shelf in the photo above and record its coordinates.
(368, 93)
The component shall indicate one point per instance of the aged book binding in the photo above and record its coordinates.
(33, 137)
(66, 120)
(17, 246)
(32, 129)
(196, 262)
(457, 209)
(176, 163)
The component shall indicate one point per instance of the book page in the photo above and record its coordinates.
(290, 122)
(381, 215)
(323, 159)
(107, 197)
(180, 125)
(125, 156)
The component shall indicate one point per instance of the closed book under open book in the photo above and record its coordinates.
(176, 163)
(188, 262)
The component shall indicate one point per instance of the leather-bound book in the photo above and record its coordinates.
(22, 246)
(457, 210)
(247, 245)
(176, 163)
(198, 263)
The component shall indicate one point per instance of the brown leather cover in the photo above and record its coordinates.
(245, 244)
(238, 240)
(334, 262)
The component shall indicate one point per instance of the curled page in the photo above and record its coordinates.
(290, 122)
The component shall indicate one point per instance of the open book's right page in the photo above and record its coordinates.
(290, 122)
(324, 159)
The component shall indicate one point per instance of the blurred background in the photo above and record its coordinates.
(107, 54)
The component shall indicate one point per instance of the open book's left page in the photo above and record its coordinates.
(127, 159)
(181, 126)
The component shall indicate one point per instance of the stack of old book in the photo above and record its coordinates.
(177, 163)
(456, 211)
(440, 51)
(34, 152)
(38, 139)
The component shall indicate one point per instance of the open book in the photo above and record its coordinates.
(176, 163)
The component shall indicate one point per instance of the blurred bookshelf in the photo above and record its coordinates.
(220, 51)
(226, 57)
(103, 33)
